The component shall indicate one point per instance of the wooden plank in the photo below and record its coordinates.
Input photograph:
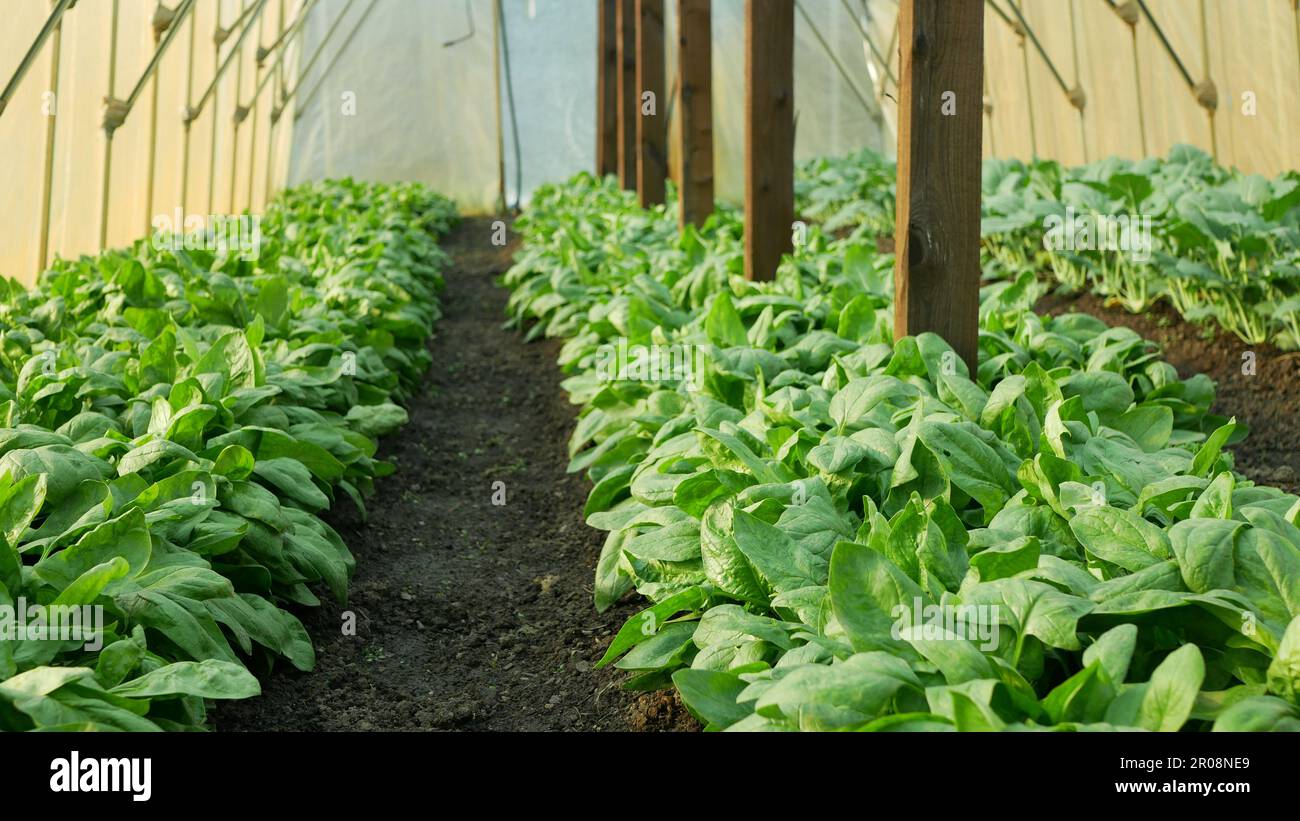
(937, 269)
(695, 128)
(652, 119)
(769, 135)
(625, 22)
(606, 88)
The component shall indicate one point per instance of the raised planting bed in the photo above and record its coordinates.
(835, 530)
(1214, 244)
(173, 423)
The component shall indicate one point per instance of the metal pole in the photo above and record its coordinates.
(1078, 80)
(108, 132)
(276, 70)
(279, 81)
(510, 100)
(252, 135)
(890, 50)
(171, 22)
(496, 97)
(1205, 72)
(51, 25)
(1137, 88)
(239, 115)
(51, 120)
(189, 100)
(218, 37)
(1029, 97)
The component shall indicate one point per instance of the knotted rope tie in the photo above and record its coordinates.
(1077, 97)
(115, 112)
(1207, 94)
(1128, 12)
(163, 18)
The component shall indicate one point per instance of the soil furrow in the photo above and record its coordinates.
(1259, 385)
(468, 614)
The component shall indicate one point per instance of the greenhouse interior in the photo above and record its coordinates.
(649, 365)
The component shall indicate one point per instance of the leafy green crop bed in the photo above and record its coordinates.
(1220, 246)
(837, 531)
(171, 424)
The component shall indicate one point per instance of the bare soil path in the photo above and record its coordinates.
(469, 615)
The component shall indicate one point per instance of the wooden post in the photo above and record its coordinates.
(937, 232)
(651, 121)
(606, 88)
(625, 22)
(695, 129)
(769, 135)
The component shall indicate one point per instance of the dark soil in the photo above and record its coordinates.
(469, 615)
(1268, 399)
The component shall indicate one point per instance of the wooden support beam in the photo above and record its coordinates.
(606, 88)
(769, 135)
(695, 128)
(940, 116)
(652, 117)
(625, 22)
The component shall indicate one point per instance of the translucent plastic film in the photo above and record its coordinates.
(401, 91)
(427, 111)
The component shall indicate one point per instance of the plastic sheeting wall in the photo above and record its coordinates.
(433, 116)
(426, 112)
(405, 93)
(239, 166)
(1253, 48)
(396, 103)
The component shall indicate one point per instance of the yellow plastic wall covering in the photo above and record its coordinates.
(398, 104)
(79, 137)
(1252, 48)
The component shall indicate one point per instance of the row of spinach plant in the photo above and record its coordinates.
(836, 530)
(172, 422)
(1219, 246)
